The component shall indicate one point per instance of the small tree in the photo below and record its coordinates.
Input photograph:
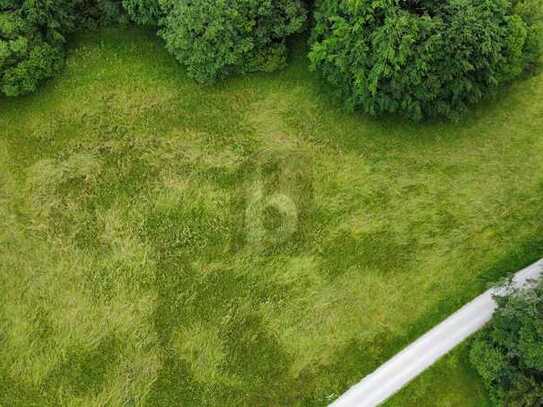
(33, 34)
(423, 58)
(214, 38)
(30, 46)
(508, 354)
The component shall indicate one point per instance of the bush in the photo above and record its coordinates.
(214, 38)
(423, 58)
(93, 13)
(508, 354)
(27, 55)
(144, 12)
(38, 62)
(33, 34)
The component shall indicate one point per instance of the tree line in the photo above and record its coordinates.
(417, 58)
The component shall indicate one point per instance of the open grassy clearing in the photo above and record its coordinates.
(128, 270)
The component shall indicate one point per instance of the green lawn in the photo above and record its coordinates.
(135, 268)
(451, 382)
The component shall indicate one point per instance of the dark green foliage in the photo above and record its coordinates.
(33, 34)
(144, 12)
(34, 63)
(216, 38)
(531, 12)
(30, 45)
(423, 58)
(509, 353)
(93, 13)
(211, 38)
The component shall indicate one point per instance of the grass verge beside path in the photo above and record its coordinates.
(449, 383)
(132, 265)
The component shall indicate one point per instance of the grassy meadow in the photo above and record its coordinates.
(139, 265)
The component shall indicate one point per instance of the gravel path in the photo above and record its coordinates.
(425, 351)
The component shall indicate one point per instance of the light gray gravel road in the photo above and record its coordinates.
(425, 351)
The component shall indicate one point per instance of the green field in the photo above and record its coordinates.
(132, 269)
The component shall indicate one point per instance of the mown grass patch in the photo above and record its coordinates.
(133, 267)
